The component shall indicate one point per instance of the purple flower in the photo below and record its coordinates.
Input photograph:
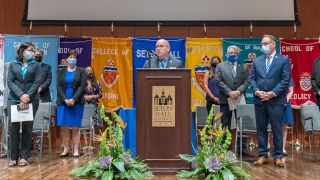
(127, 158)
(230, 157)
(105, 162)
(213, 164)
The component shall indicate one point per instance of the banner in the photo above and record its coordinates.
(140, 56)
(81, 45)
(302, 54)
(1, 70)
(250, 48)
(199, 52)
(112, 64)
(49, 46)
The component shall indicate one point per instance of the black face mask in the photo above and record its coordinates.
(38, 58)
(90, 74)
(214, 64)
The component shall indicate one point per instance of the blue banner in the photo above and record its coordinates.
(82, 45)
(177, 50)
(250, 48)
(49, 46)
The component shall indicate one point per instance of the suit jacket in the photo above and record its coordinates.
(154, 63)
(277, 79)
(46, 78)
(79, 83)
(5, 83)
(315, 79)
(227, 83)
(29, 85)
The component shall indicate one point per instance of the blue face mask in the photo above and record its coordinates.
(232, 57)
(266, 49)
(72, 62)
(28, 55)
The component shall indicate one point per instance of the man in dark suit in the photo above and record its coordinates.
(269, 79)
(315, 78)
(164, 60)
(232, 80)
(46, 77)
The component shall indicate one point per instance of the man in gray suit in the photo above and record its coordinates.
(165, 60)
(232, 80)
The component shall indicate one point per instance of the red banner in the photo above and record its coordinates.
(302, 54)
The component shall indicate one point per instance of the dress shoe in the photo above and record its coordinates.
(65, 155)
(261, 161)
(76, 156)
(285, 153)
(245, 153)
(278, 163)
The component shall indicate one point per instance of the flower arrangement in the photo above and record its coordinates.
(214, 161)
(113, 162)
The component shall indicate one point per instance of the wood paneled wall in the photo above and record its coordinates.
(11, 13)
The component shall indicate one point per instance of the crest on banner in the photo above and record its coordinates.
(305, 82)
(198, 81)
(248, 62)
(205, 59)
(110, 75)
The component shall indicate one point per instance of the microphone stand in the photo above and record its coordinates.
(149, 53)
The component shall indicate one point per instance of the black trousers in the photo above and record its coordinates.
(26, 138)
(226, 121)
(209, 105)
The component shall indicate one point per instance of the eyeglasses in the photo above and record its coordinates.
(161, 46)
(264, 44)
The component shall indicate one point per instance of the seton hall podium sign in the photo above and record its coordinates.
(163, 107)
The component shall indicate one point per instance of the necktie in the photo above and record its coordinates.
(162, 64)
(233, 71)
(268, 64)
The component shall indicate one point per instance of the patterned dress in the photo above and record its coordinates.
(93, 91)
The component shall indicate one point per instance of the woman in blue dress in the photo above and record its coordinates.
(71, 82)
(287, 116)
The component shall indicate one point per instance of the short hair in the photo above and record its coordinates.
(39, 51)
(216, 57)
(272, 38)
(165, 40)
(234, 47)
(72, 52)
(20, 50)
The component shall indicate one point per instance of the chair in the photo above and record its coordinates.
(41, 123)
(93, 129)
(310, 122)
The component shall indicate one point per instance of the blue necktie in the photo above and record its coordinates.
(268, 64)
(162, 64)
(233, 71)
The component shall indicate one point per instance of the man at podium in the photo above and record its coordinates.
(164, 60)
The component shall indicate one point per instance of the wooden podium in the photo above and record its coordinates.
(163, 118)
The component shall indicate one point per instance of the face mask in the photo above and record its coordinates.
(266, 49)
(29, 55)
(232, 57)
(72, 62)
(38, 58)
(214, 64)
(90, 74)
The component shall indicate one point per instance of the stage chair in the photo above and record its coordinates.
(93, 129)
(310, 121)
(201, 119)
(42, 124)
(53, 122)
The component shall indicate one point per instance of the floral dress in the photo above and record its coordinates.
(93, 91)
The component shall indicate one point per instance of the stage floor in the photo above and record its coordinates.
(58, 168)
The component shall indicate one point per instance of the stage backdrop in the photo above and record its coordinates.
(302, 54)
(49, 45)
(1, 69)
(81, 45)
(112, 64)
(250, 48)
(140, 56)
(199, 52)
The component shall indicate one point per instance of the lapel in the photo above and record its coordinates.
(30, 66)
(228, 66)
(264, 65)
(169, 62)
(274, 61)
(76, 74)
(238, 69)
(19, 69)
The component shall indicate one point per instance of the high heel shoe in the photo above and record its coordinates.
(76, 156)
(61, 155)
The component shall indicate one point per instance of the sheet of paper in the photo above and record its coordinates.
(234, 102)
(22, 115)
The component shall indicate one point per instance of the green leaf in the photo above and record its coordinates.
(76, 170)
(240, 172)
(119, 165)
(135, 174)
(107, 175)
(84, 170)
(188, 158)
(227, 174)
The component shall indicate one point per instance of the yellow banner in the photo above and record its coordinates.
(199, 52)
(112, 63)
